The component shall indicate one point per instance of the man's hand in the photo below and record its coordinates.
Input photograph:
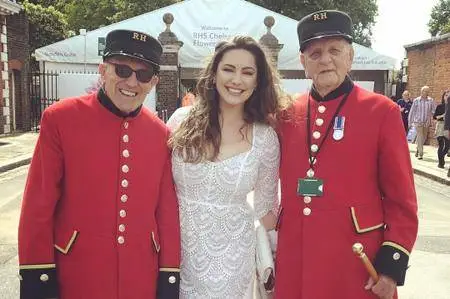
(384, 288)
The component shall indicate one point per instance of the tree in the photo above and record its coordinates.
(440, 18)
(87, 14)
(126, 9)
(362, 12)
(47, 25)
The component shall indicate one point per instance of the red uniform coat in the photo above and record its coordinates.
(99, 203)
(368, 197)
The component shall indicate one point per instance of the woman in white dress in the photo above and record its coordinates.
(223, 148)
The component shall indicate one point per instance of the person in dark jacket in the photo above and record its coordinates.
(440, 133)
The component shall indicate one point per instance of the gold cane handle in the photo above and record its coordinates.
(358, 249)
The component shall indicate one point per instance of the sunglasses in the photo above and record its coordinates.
(124, 71)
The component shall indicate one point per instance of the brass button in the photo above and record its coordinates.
(122, 228)
(125, 168)
(314, 148)
(126, 153)
(120, 240)
(124, 198)
(306, 211)
(322, 109)
(124, 183)
(307, 199)
(122, 213)
(125, 138)
(172, 279)
(396, 256)
(44, 277)
(125, 125)
(316, 135)
(319, 122)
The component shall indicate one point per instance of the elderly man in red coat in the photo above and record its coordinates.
(346, 177)
(99, 215)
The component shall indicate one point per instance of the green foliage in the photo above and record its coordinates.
(87, 14)
(47, 25)
(362, 12)
(440, 18)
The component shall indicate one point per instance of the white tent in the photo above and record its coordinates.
(199, 24)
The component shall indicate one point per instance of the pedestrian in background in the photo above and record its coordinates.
(447, 123)
(440, 133)
(420, 115)
(405, 104)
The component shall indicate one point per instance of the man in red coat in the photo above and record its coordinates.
(99, 215)
(346, 177)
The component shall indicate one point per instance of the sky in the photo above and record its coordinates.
(400, 22)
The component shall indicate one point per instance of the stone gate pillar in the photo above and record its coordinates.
(167, 91)
(270, 42)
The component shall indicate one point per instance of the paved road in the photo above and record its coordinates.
(427, 278)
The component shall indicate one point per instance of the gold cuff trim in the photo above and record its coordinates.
(360, 230)
(69, 245)
(169, 269)
(396, 246)
(155, 244)
(41, 266)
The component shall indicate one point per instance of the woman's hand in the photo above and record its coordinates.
(269, 221)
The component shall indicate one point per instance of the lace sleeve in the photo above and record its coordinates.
(177, 117)
(266, 187)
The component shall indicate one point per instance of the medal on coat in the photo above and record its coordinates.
(339, 123)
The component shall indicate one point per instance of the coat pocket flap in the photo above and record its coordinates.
(367, 218)
(65, 241)
(155, 241)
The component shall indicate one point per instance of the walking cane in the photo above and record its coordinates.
(358, 249)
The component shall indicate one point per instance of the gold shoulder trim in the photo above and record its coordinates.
(69, 245)
(41, 266)
(360, 230)
(396, 246)
(169, 269)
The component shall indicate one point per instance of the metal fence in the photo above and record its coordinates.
(43, 93)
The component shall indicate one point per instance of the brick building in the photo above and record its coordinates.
(8, 80)
(428, 63)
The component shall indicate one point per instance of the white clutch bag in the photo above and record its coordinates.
(264, 259)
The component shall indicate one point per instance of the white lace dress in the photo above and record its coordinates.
(217, 223)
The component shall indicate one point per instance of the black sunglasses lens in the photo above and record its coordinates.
(123, 71)
(145, 75)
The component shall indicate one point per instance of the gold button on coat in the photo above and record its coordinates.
(322, 109)
(125, 138)
(124, 198)
(122, 228)
(125, 125)
(120, 240)
(126, 153)
(122, 213)
(307, 199)
(125, 168)
(44, 277)
(319, 122)
(124, 183)
(306, 211)
(396, 256)
(172, 279)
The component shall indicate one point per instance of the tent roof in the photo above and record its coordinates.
(200, 24)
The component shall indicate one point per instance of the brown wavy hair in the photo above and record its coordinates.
(198, 137)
